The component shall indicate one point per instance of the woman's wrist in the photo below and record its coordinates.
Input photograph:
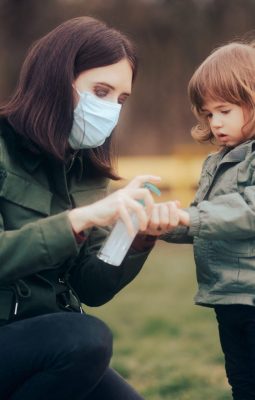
(143, 242)
(79, 218)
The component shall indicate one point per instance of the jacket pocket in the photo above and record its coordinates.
(246, 278)
(225, 270)
(217, 267)
(201, 253)
(22, 201)
(230, 248)
(232, 265)
(25, 193)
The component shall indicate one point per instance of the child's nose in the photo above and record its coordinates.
(216, 121)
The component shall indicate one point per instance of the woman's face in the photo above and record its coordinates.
(112, 82)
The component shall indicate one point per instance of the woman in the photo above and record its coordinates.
(55, 161)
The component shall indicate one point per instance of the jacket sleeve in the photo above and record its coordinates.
(178, 235)
(181, 234)
(95, 281)
(229, 216)
(37, 246)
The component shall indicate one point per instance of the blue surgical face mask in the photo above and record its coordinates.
(94, 120)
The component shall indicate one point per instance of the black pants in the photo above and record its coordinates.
(59, 356)
(237, 336)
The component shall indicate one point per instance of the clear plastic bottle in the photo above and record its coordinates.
(119, 240)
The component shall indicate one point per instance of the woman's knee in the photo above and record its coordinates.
(85, 340)
(70, 339)
(72, 347)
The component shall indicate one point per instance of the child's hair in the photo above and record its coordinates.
(228, 74)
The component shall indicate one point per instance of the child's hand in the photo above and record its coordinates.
(165, 217)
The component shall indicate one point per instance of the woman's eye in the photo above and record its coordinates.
(225, 111)
(122, 99)
(100, 92)
(209, 116)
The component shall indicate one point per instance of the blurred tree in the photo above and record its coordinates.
(172, 37)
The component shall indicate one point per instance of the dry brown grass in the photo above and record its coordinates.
(179, 172)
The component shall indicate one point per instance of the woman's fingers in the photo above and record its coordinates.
(155, 220)
(184, 217)
(121, 204)
(174, 217)
(137, 213)
(126, 218)
(140, 180)
(164, 217)
(178, 203)
(144, 196)
(138, 202)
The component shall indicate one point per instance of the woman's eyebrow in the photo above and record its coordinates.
(110, 87)
(105, 84)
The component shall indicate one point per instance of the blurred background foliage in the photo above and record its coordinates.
(172, 38)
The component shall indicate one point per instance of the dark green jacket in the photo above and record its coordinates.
(42, 268)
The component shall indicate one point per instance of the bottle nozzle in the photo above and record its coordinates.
(152, 188)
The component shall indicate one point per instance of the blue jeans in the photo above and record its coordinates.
(237, 337)
(61, 356)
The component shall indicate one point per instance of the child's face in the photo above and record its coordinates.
(226, 121)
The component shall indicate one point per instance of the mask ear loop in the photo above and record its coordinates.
(84, 122)
(84, 125)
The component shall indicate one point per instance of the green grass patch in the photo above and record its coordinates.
(164, 345)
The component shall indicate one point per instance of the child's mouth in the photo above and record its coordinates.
(222, 136)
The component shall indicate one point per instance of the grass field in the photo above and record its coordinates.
(164, 345)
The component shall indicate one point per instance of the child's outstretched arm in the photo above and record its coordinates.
(169, 222)
(229, 216)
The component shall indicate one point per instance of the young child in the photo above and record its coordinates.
(221, 220)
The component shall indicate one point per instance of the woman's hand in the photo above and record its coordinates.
(117, 205)
(165, 217)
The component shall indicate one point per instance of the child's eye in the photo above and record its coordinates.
(209, 115)
(225, 111)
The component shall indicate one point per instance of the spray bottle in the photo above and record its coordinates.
(119, 240)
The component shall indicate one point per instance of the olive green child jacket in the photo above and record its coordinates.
(42, 267)
(222, 228)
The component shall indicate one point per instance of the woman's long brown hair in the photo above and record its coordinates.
(42, 107)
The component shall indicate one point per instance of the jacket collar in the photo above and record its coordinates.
(29, 156)
(226, 155)
(30, 160)
(238, 153)
(19, 147)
